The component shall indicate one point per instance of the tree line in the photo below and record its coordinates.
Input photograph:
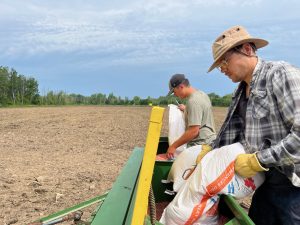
(17, 89)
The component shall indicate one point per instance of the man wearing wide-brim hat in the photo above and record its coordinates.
(265, 117)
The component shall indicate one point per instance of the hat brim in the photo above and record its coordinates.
(259, 43)
(170, 92)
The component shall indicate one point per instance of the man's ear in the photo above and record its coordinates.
(180, 86)
(248, 49)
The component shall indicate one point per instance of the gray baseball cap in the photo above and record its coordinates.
(175, 80)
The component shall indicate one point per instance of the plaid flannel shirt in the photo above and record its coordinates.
(272, 126)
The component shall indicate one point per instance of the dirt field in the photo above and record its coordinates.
(56, 157)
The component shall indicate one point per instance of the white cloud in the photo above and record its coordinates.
(156, 37)
(90, 31)
(144, 31)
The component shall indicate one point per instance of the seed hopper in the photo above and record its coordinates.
(137, 197)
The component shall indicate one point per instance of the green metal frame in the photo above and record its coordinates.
(117, 207)
(240, 216)
(74, 208)
(161, 171)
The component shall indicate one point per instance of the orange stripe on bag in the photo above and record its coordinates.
(197, 211)
(216, 186)
(212, 189)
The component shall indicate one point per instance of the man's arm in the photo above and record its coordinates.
(188, 135)
(287, 151)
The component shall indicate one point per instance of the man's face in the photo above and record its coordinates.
(233, 65)
(178, 91)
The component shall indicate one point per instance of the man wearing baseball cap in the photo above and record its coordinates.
(265, 117)
(200, 126)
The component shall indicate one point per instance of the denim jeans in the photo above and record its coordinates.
(276, 201)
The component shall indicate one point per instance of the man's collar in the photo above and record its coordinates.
(257, 70)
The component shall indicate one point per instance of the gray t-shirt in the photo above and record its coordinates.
(198, 111)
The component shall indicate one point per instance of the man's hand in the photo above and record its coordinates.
(247, 165)
(170, 152)
(204, 151)
(187, 136)
(181, 107)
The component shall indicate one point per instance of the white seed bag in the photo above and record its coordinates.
(197, 199)
(184, 161)
(176, 127)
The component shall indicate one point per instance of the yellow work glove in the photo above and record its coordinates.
(204, 151)
(247, 165)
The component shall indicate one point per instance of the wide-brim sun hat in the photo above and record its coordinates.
(231, 38)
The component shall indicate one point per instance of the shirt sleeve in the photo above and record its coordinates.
(286, 89)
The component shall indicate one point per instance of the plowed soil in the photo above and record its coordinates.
(54, 157)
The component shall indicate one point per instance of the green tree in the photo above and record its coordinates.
(13, 85)
(32, 91)
(136, 100)
(111, 99)
(4, 81)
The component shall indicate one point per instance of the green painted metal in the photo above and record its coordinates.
(239, 213)
(115, 208)
(74, 208)
(161, 171)
(128, 219)
(234, 221)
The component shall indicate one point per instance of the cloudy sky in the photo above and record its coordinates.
(132, 47)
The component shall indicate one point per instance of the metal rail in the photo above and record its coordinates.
(69, 213)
